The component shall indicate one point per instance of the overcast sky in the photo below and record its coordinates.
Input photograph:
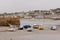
(24, 5)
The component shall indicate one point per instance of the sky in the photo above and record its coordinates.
(26, 5)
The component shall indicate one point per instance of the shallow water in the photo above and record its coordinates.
(44, 22)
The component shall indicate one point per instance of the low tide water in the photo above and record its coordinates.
(44, 22)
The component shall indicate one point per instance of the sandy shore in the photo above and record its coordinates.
(35, 35)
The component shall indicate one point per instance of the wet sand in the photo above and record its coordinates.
(35, 35)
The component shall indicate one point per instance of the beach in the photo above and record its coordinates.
(36, 34)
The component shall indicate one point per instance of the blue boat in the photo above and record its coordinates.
(27, 26)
